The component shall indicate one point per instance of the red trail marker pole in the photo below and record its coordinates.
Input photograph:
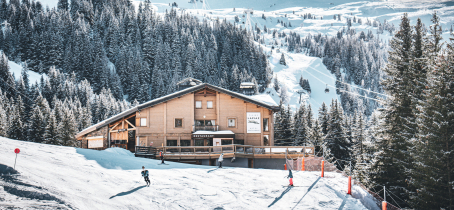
(302, 165)
(349, 185)
(285, 166)
(17, 150)
(323, 168)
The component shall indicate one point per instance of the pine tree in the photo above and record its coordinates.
(51, 131)
(433, 176)
(337, 144)
(300, 128)
(282, 60)
(393, 161)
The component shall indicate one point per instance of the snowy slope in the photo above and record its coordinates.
(16, 69)
(110, 179)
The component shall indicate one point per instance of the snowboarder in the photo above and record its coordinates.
(145, 175)
(221, 158)
(162, 157)
(290, 176)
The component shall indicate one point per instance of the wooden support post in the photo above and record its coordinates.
(349, 191)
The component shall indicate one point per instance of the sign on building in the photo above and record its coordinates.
(253, 122)
(95, 142)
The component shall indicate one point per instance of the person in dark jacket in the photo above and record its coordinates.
(145, 175)
(162, 157)
(290, 176)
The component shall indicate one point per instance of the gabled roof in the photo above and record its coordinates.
(266, 104)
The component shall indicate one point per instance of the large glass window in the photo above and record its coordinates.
(238, 141)
(231, 122)
(171, 143)
(209, 104)
(198, 142)
(210, 122)
(185, 143)
(266, 140)
(265, 124)
(178, 123)
(198, 104)
(200, 122)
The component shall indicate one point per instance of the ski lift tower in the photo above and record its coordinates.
(248, 25)
(300, 92)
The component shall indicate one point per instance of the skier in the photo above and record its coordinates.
(221, 158)
(162, 157)
(290, 176)
(145, 175)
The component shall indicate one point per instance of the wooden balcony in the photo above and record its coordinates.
(229, 151)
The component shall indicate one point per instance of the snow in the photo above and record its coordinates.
(110, 179)
(16, 69)
(265, 98)
(213, 132)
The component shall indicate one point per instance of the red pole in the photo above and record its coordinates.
(302, 165)
(349, 185)
(285, 166)
(384, 205)
(323, 168)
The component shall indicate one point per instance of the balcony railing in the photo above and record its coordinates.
(205, 128)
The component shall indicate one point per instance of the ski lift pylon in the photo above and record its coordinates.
(326, 89)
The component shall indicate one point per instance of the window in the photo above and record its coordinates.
(265, 124)
(178, 123)
(209, 104)
(172, 143)
(198, 104)
(200, 122)
(143, 121)
(239, 141)
(231, 122)
(210, 122)
(266, 140)
(185, 143)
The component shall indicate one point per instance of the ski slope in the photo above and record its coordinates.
(65, 177)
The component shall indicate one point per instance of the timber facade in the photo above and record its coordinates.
(201, 115)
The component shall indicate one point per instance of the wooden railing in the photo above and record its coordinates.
(233, 149)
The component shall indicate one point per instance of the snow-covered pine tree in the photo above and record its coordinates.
(300, 128)
(282, 60)
(335, 140)
(393, 161)
(433, 175)
(51, 131)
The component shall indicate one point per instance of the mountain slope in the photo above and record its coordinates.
(89, 179)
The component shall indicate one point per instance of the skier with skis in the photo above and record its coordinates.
(290, 176)
(221, 158)
(145, 175)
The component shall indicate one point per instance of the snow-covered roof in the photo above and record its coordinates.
(212, 132)
(265, 98)
(260, 101)
(247, 85)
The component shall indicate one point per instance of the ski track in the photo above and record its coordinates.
(84, 184)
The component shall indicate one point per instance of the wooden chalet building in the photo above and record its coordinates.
(200, 114)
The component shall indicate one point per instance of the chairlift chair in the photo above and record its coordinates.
(326, 89)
